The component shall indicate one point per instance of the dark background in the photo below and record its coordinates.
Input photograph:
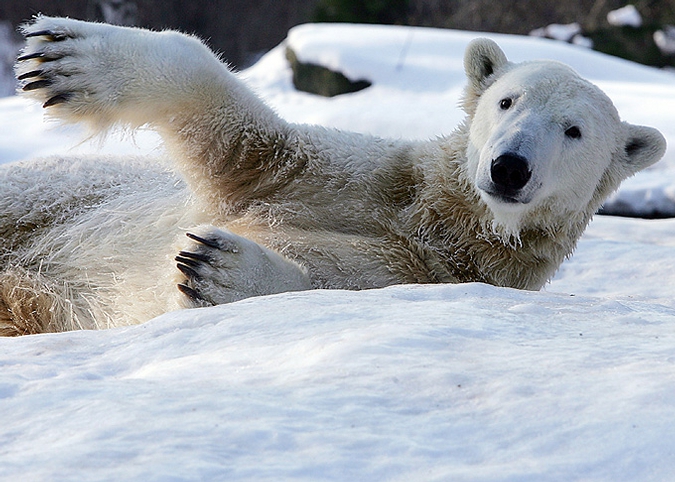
(243, 29)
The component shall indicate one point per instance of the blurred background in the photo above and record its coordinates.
(242, 30)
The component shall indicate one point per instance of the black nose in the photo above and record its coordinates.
(510, 172)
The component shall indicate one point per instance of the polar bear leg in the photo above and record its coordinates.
(227, 143)
(102, 74)
(220, 267)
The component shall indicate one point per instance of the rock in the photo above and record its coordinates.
(319, 80)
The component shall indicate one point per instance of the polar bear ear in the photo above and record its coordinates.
(644, 146)
(482, 58)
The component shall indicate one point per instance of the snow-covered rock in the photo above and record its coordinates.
(555, 31)
(625, 16)
(665, 40)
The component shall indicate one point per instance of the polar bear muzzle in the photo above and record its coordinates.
(509, 173)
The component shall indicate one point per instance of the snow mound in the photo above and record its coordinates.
(463, 382)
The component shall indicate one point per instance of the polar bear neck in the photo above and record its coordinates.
(474, 247)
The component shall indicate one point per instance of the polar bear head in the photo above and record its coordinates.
(542, 139)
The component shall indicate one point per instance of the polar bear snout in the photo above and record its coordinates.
(509, 173)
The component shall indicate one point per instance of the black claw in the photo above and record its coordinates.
(34, 55)
(188, 271)
(211, 243)
(57, 99)
(195, 256)
(40, 56)
(190, 293)
(38, 33)
(47, 33)
(38, 84)
(187, 261)
(31, 74)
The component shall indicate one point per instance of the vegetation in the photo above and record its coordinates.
(355, 11)
(241, 30)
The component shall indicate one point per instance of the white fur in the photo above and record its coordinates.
(273, 206)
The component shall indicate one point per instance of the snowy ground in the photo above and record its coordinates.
(445, 382)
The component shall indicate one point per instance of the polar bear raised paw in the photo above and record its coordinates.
(221, 267)
(102, 74)
(69, 64)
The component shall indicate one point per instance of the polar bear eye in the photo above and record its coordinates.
(505, 103)
(573, 132)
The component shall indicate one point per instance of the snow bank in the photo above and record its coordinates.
(464, 382)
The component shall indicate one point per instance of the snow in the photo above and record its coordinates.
(556, 31)
(627, 16)
(665, 40)
(581, 41)
(464, 382)
(438, 382)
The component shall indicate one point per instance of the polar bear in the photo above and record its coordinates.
(251, 204)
